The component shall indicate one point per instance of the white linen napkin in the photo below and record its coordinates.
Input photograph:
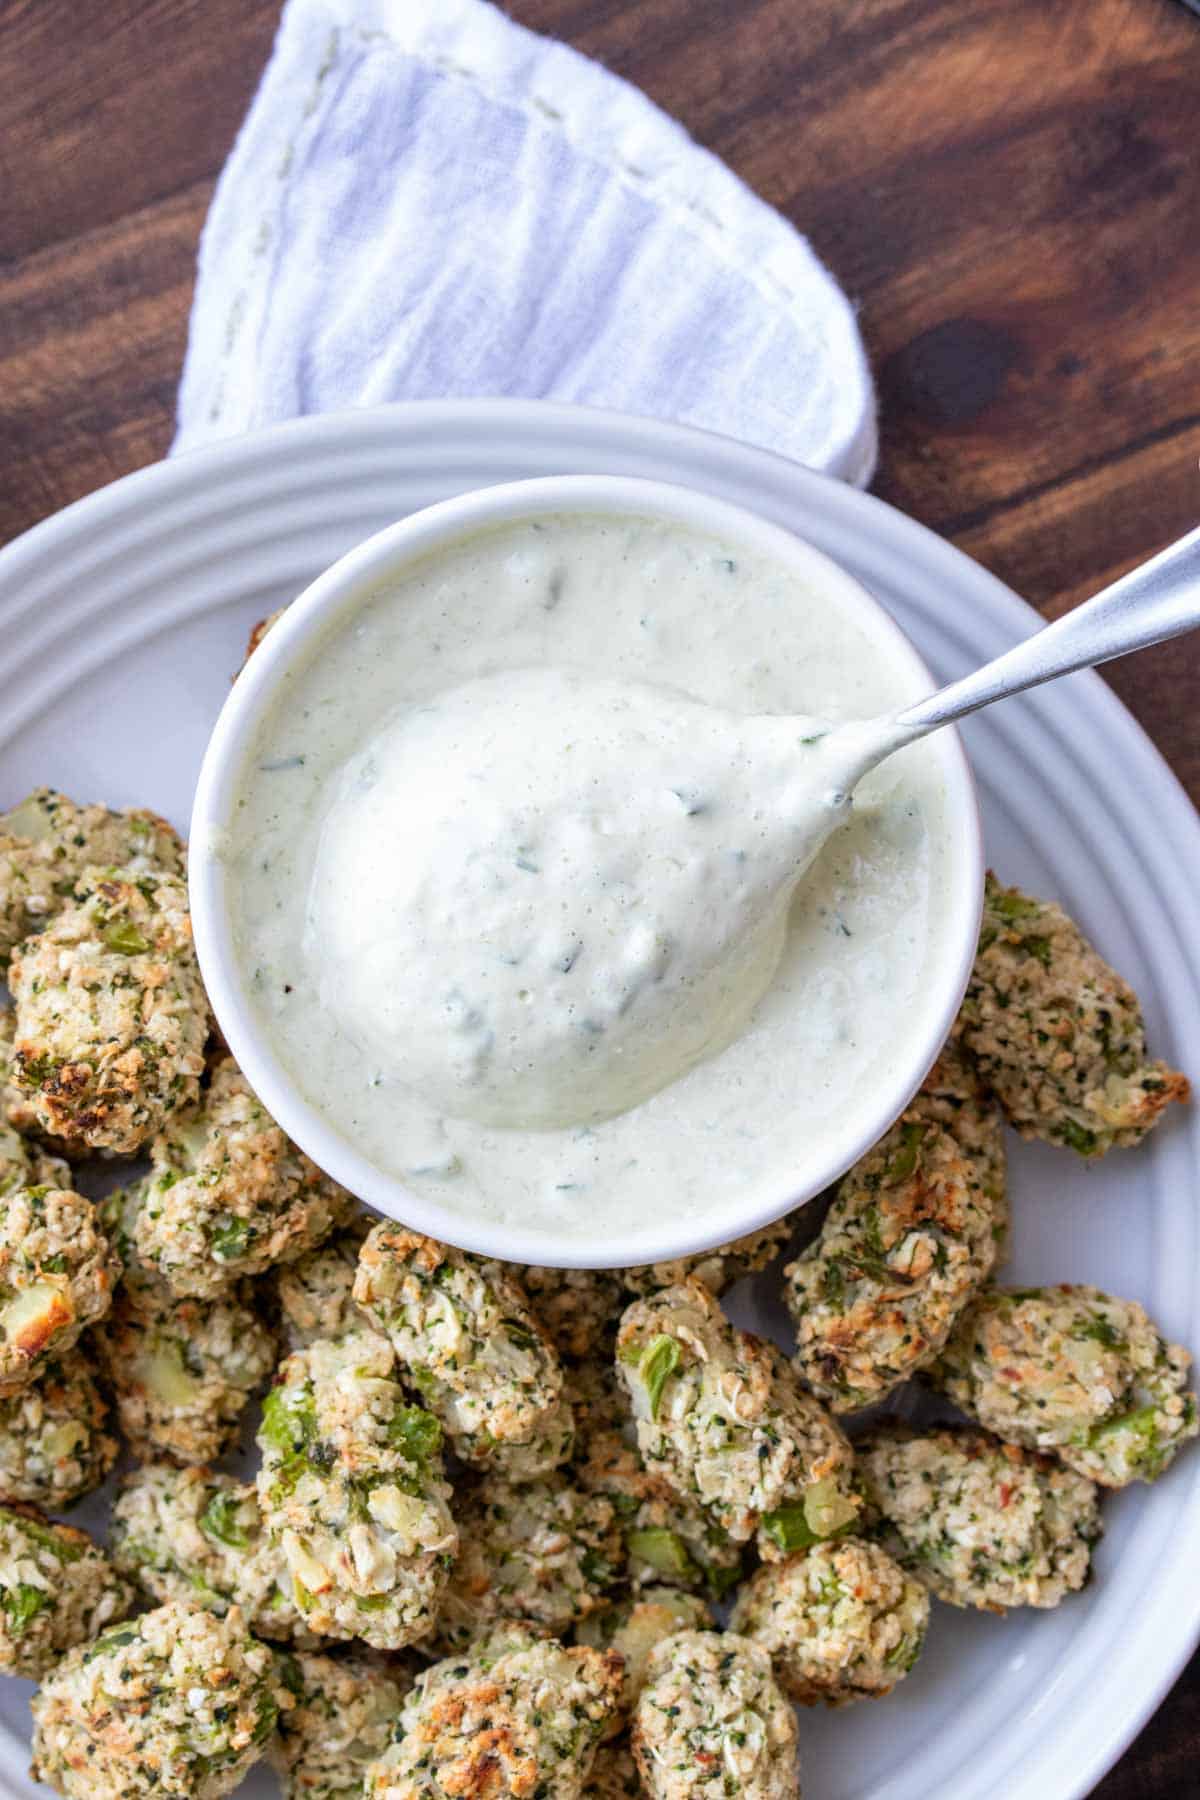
(428, 200)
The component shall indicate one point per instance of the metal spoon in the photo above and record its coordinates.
(1158, 600)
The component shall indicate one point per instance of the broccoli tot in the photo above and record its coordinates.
(910, 1237)
(48, 841)
(57, 1274)
(197, 1536)
(463, 1330)
(111, 1016)
(341, 1722)
(1072, 1370)
(176, 1702)
(711, 1722)
(516, 1717)
(352, 1492)
(230, 1194)
(315, 1293)
(182, 1371)
(721, 1416)
(841, 1621)
(634, 1626)
(56, 1590)
(54, 1447)
(543, 1552)
(979, 1523)
(669, 1536)
(1056, 1034)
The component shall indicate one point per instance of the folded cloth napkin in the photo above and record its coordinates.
(428, 200)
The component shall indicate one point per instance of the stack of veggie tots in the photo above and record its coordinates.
(494, 1507)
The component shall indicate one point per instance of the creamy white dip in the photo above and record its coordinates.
(543, 895)
(513, 868)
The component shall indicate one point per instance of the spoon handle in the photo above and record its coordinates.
(1159, 599)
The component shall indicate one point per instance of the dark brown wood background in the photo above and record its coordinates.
(1009, 188)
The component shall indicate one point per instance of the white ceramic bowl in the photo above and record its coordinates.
(337, 594)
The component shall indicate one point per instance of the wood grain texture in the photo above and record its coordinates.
(1010, 190)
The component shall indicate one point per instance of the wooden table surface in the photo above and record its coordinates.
(1010, 189)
